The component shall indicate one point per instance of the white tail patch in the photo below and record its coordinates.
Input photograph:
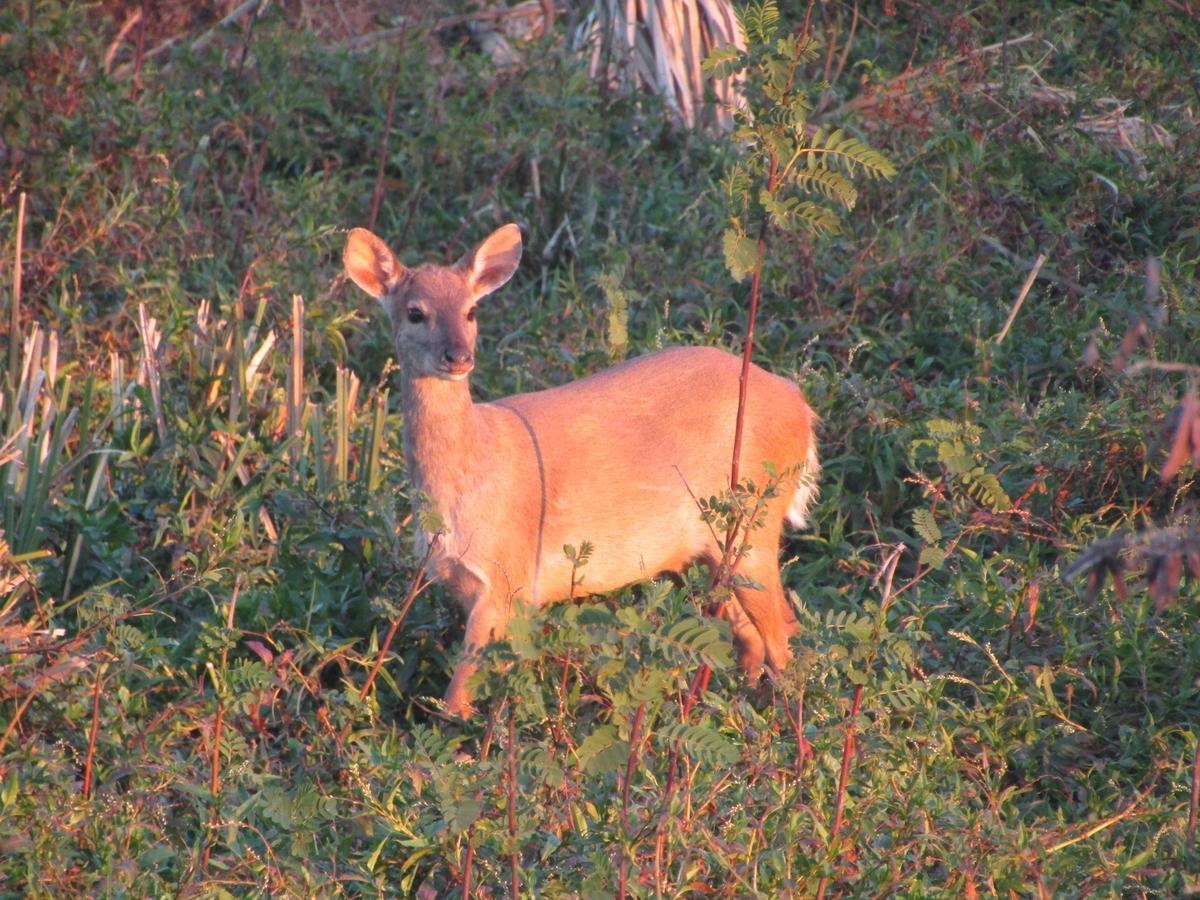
(806, 490)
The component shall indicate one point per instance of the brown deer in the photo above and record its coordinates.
(616, 459)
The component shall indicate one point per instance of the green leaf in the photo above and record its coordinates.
(463, 814)
(723, 61)
(741, 253)
(703, 743)
(926, 525)
(602, 751)
(931, 556)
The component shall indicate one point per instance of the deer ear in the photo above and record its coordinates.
(493, 262)
(370, 264)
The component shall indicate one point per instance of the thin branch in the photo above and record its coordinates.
(896, 84)
(92, 733)
(377, 193)
(1016, 307)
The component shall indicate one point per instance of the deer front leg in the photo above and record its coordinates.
(487, 619)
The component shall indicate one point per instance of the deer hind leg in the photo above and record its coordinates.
(751, 651)
(767, 605)
(487, 620)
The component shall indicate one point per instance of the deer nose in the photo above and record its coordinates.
(458, 359)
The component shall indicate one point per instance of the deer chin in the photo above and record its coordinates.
(456, 374)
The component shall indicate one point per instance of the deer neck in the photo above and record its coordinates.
(440, 432)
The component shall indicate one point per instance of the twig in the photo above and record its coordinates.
(1016, 307)
(198, 44)
(514, 859)
(14, 312)
(1159, 366)
(412, 208)
(489, 190)
(377, 193)
(467, 863)
(886, 574)
(892, 86)
(207, 38)
(215, 781)
(414, 589)
(845, 54)
(1195, 801)
(630, 764)
(362, 41)
(132, 19)
(91, 750)
(1092, 831)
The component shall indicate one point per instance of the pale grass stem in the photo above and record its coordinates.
(218, 689)
(295, 384)
(14, 310)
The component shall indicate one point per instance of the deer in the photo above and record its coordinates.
(617, 459)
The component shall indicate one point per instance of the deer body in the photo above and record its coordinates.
(617, 459)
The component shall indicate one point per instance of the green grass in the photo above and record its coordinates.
(1015, 733)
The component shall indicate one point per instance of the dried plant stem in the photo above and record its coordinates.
(14, 310)
(12, 725)
(1194, 804)
(92, 732)
(218, 724)
(377, 193)
(295, 384)
(897, 84)
(1016, 307)
(417, 585)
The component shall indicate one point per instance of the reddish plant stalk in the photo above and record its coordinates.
(748, 349)
(414, 589)
(91, 751)
(1195, 801)
(218, 724)
(843, 780)
(377, 193)
(514, 859)
(484, 746)
(630, 764)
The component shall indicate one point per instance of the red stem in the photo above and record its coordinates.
(1195, 801)
(91, 751)
(415, 588)
(847, 752)
(218, 725)
(514, 859)
(629, 767)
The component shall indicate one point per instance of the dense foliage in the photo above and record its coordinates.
(205, 510)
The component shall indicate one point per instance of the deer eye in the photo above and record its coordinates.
(415, 315)
(471, 314)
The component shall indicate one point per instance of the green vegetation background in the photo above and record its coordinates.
(1016, 733)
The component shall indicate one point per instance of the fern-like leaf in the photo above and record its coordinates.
(926, 525)
(722, 62)
(851, 154)
(702, 742)
(758, 21)
(829, 184)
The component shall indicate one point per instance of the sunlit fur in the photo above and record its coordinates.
(617, 459)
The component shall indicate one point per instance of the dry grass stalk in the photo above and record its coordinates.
(14, 320)
(148, 368)
(658, 45)
(295, 382)
(1024, 292)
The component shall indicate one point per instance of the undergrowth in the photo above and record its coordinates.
(205, 508)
